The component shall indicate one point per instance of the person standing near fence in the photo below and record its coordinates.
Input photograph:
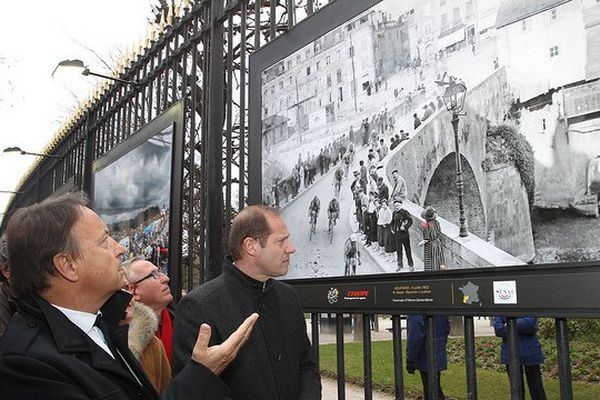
(433, 252)
(530, 353)
(416, 354)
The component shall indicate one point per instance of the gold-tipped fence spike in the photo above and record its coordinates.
(177, 8)
(186, 5)
(151, 34)
(170, 14)
(142, 47)
(163, 22)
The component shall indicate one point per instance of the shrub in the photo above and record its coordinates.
(504, 144)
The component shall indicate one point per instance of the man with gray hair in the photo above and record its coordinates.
(64, 341)
(150, 286)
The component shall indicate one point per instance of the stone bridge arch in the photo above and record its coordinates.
(442, 193)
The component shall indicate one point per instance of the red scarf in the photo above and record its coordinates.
(165, 332)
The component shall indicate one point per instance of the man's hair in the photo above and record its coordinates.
(127, 265)
(250, 222)
(38, 233)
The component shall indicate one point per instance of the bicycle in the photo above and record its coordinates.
(337, 187)
(313, 224)
(332, 220)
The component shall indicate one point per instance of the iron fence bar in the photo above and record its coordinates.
(368, 373)
(242, 150)
(397, 348)
(309, 7)
(214, 144)
(291, 11)
(203, 147)
(564, 358)
(272, 19)
(90, 141)
(431, 351)
(514, 363)
(339, 345)
(257, 24)
(314, 323)
(228, 124)
(177, 59)
(192, 162)
(470, 358)
(166, 73)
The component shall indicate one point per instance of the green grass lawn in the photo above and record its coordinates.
(491, 385)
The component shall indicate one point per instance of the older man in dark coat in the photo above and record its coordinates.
(64, 342)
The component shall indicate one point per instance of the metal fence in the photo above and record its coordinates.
(198, 52)
(542, 291)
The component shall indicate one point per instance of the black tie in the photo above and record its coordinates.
(103, 326)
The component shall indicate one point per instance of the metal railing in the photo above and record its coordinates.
(369, 296)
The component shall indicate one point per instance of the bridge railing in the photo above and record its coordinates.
(540, 291)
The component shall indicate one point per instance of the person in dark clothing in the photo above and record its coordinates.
(384, 190)
(416, 121)
(64, 342)
(416, 354)
(7, 302)
(401, 222)
(530, 353)
(277, 362)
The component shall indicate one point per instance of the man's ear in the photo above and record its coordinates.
(249, 246)
(64, 265)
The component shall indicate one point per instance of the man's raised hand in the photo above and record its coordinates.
(218, 357)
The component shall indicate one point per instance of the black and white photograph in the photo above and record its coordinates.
(437, 134)
(131, 194)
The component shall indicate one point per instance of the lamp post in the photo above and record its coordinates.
(15, 149)
(454, 96)
(79, 66)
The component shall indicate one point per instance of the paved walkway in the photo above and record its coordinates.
(353, 392)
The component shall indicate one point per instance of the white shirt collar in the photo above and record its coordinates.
(83, 320)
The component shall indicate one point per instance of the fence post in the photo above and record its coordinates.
(564, 359)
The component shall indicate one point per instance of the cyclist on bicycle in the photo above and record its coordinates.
(333, 211)
(351, 255)
(338, 175)
(313, 209)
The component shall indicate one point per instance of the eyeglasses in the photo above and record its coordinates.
(154, 274)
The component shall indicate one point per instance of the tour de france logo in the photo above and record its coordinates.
(332, 295)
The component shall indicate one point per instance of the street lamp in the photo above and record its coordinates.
(15, 149)
(79, 67)
(454, 96)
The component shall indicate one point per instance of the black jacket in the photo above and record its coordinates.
(399, 217)
(43, 355)
(277, 362)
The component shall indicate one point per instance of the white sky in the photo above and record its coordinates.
(34, 37)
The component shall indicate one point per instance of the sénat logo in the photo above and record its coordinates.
(505, 292)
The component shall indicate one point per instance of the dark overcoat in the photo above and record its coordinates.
(277, 362)
(43, 355)
(530, 350)
(417, 337)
